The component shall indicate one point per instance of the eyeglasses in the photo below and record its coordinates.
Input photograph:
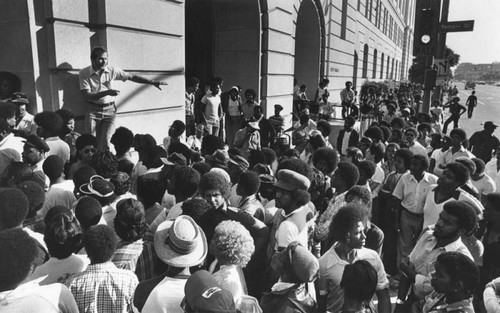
(92, 150)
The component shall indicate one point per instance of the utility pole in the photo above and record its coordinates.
(441, 47)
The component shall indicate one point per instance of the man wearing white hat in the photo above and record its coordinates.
(247, 139)
(180, 244)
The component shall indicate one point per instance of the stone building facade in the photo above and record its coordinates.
(258, 44)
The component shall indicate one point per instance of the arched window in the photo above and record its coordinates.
(374, 75)
(382, 66)
(365, 62)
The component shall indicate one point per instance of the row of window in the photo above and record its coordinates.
(391, 65)
(376, 12)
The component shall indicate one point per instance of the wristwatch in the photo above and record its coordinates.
(400, 301)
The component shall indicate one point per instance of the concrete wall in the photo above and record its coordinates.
(254, 45)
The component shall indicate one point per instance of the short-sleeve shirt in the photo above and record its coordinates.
(484, 185)
(331, 269)
(413, 193)
(91, 80)
(212, 104)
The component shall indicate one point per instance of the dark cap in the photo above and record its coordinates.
(291, 180)
(240, 161)
(218, 159)
(278, 107)
(489, 124)
(204, 294)
(174, 159)
(98, 186)
(37, 142)
(19, 98)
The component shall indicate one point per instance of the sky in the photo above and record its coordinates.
(482, 45)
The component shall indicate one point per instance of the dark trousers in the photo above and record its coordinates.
(453, 118)
(470, 109)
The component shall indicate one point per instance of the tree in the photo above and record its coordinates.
(417, 69)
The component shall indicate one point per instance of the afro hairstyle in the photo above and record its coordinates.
(53, 167)
(348, 173)
(461, 269)
(269, 155)
(88, 211)
(100, 243)
(460, 133)
(105, 163)
(122, 140)
(249, 183)
(14, 207)
(325, 126)
(196, 208)
(359, 281)
(328, 155)
(464, 212)
(214, 181)
(20, 252)
(232, 244)
(344, 221)
(405, 154)
(480, 165)
(185, 180)
(85, 140)
(210, 144)
(374, 133)
(460, 171)
(51, 122)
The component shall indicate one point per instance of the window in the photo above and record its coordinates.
(365, 62)
(367, 8)
(382, 66)
(343, 25)
(374, 75)
(388, 67)
(392, 69)
(359, 5)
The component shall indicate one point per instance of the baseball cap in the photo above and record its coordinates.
(205, 294)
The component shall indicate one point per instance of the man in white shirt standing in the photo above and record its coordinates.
(212, 110)
(95, 85)
(411, 190)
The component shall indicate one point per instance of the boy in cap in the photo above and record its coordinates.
(34, 151)
(25, 122)
(102, 287)
(277, 120)
(204, 294)
(180, 244)
(247, 139)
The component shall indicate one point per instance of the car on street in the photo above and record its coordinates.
(470, 85)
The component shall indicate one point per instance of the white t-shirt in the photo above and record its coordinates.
(484, 185)
(166, 297)
(58, 270)
(212, 104)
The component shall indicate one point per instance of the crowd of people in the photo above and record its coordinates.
(232, 212)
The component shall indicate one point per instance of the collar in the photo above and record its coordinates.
(54, 138)
(94, 72)
(101, 266)
(302, 208)
(425, 178)
(452, 246)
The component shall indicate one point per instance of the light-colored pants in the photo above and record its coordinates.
(101, 123)
(212, 128)
(409, 231)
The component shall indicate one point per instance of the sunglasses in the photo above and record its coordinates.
(92, 150)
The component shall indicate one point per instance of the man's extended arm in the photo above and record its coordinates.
(143, 80)
(90, 96)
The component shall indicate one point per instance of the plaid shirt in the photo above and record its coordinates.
(126, 254)
(103, 288)
(148, 264)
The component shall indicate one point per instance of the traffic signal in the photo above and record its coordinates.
(430, 79)
(426, 27)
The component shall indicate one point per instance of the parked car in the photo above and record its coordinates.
(470, 85)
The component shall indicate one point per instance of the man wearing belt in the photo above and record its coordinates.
(95, 84)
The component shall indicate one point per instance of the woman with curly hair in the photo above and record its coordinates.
(130, 226)
(232, 247)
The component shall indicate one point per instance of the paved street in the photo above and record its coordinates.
(488, 108)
